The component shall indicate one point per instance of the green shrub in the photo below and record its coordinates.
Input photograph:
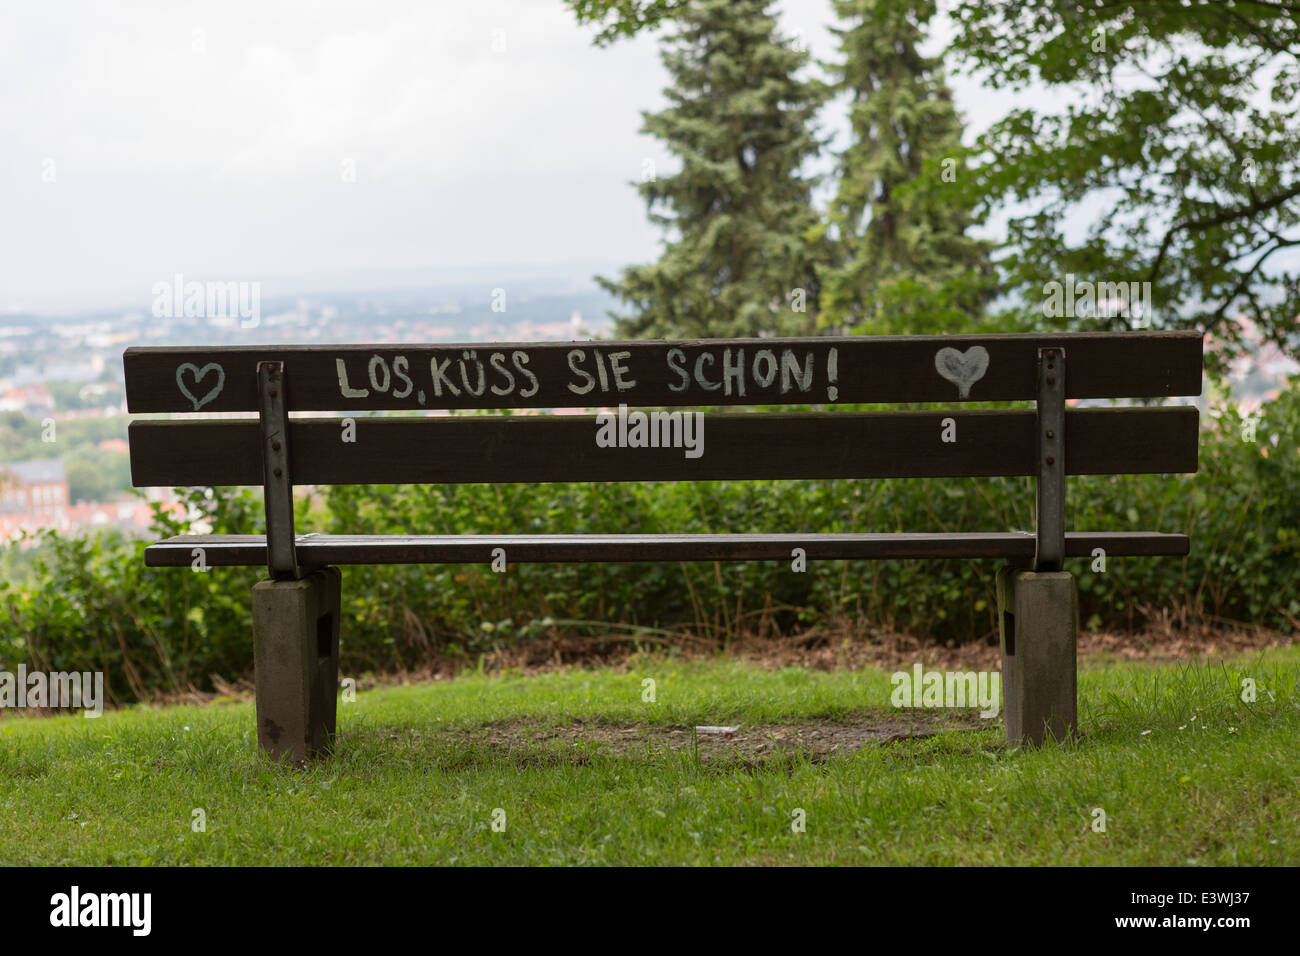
(90, 602)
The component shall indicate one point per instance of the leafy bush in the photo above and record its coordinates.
(90, 602)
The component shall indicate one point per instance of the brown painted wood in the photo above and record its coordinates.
(322, 550)
(462, 449)
(886, 369)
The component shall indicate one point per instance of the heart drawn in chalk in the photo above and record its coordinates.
(199, 375)
(963, 369)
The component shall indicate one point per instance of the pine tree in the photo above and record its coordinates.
(901, 260)
(738, 261)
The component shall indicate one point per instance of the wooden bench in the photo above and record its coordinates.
(296, 610)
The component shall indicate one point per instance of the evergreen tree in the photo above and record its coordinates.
(738, 260)
(901, 260)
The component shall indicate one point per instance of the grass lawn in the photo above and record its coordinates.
(586, 772)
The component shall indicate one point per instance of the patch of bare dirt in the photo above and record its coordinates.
(750, 744)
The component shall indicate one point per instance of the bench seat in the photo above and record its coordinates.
(319, 550)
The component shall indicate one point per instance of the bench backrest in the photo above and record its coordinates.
(956, 369)
(275, 451)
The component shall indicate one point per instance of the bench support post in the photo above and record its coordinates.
(1038, 609)
(1049, 511)
(296, 661)
(277, 492)
(1037, 617)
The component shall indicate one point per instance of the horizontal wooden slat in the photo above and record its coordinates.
(891, 369)
(316, 550)
(755, 446)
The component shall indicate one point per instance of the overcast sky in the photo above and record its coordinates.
(215, 139)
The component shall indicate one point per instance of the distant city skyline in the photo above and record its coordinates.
(470, 282)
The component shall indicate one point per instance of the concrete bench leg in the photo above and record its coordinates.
(296, 659)
(1037, 614)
